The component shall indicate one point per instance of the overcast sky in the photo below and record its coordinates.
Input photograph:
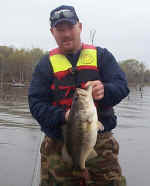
(123, 27)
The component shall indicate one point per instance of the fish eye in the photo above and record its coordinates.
(76, 98)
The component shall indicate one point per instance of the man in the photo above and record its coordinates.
(75, 64)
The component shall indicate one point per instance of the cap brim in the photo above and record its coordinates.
(72, 21)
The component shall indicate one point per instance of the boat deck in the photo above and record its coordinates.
(19, 156)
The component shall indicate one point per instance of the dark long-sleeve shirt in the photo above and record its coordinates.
(52, 117)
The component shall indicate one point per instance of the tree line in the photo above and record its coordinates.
(18, 65)
(136, 72)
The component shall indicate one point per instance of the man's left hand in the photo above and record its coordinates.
(98, 89)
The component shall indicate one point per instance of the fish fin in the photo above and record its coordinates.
(65, 155)
(93, 154)
(100, 126)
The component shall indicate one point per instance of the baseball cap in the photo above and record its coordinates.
(63, 13)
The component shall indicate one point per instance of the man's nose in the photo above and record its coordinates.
(66, 32)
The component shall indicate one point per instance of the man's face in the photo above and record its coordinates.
(67, 36)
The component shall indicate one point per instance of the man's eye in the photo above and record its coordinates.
(59, 29)
(71, 26)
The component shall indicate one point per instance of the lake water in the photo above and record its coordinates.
(20, 138)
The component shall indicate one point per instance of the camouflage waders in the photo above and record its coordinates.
(103, 170)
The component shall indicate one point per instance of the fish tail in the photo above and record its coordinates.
(83, 174)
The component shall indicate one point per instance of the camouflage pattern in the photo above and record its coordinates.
(104, 170)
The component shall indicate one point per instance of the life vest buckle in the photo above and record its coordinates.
(74, 70)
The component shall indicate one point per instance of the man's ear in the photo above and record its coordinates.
(80, 26)
(52, 31)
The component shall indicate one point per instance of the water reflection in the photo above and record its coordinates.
(14, 110)
(13, 94)
(134, 111)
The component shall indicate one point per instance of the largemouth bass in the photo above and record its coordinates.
(80, 131)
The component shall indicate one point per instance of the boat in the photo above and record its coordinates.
(18, 84)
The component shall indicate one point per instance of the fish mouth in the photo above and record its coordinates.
(80, 96)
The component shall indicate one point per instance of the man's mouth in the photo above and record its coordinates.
(67, 42)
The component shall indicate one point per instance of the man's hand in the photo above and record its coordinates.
(98, 89)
